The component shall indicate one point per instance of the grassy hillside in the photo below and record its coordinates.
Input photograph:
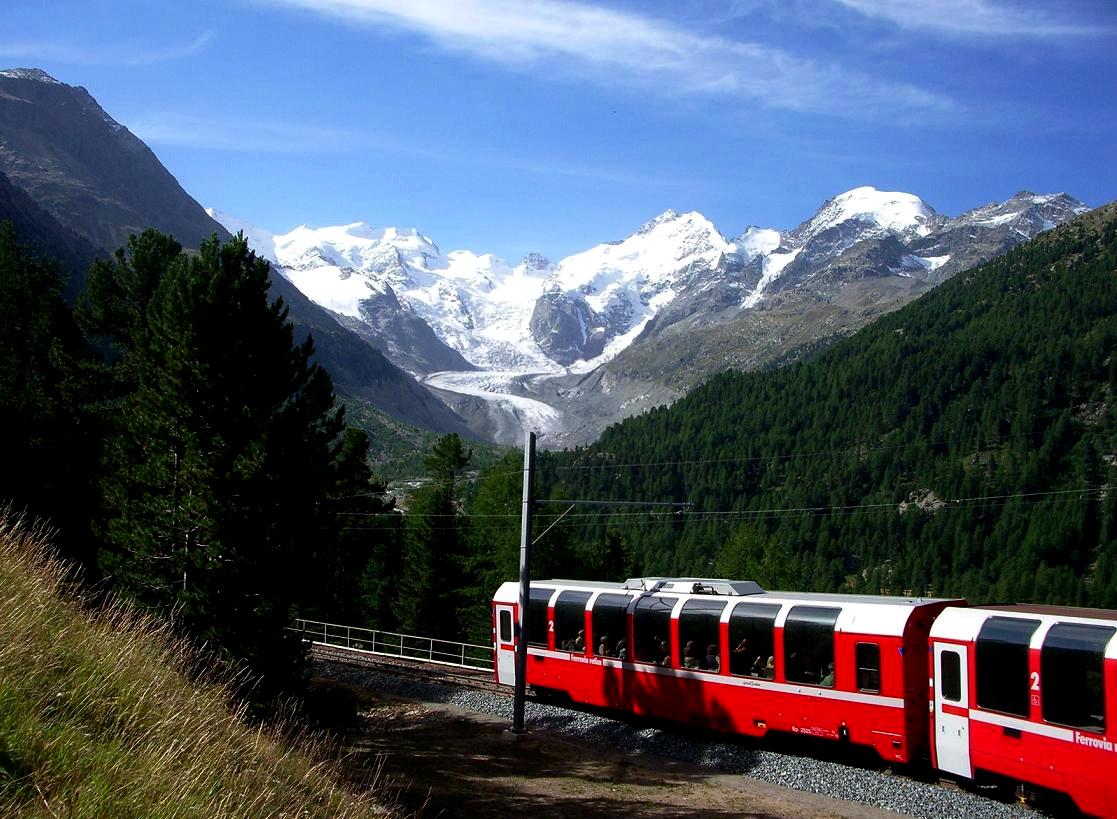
(97, 720)
(966, 444)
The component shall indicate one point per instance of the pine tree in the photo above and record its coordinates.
(226, 454)
(46, 434)
(433, 587)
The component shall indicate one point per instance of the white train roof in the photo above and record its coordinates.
(964, 624)
(867, 614)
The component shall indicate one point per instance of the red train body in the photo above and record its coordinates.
(1016, 692)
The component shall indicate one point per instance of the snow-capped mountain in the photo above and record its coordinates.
(444, 315)
(596, 302)
(458, 310)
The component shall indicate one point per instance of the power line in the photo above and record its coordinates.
(972, 502)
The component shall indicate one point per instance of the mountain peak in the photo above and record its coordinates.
(669, 215)
(36, 74)
(890, 211)
(535, 261)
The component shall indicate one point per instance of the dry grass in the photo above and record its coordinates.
(97, 718)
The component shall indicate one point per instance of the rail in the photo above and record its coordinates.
(391, 644)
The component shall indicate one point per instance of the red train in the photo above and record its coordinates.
(1021, 693)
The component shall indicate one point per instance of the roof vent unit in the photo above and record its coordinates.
(693, 585)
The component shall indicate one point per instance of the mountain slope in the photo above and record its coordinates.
(965, 444)
(36, 227)
(86, 169)
(67, 166)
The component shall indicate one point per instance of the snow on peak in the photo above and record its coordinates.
(36, 74)
(650, 259)
(889, 211)
(476, 303)
(669, 215)
(756, 241)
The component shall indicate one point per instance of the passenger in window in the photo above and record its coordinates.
(739, 662)
(713, 661)
(690, 656)
(770, 669)
(828, 677)
(603, 646)
(665, 651)
(758, 667)
(622, 650)
(794, 667)
(580, 640)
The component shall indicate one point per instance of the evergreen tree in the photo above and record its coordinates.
(750, 555)
(433, 583)
(46, 434)
(227, 453)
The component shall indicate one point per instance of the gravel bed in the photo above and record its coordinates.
(860, 785)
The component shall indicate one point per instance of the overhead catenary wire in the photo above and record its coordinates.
(734, 515)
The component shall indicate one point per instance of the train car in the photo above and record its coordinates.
(730, 656)
(1025, 694)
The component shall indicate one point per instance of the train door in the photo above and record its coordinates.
(505, 645)
(952, 713)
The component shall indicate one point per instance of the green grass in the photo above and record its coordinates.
(98, 718)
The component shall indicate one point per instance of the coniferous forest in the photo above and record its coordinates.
(965, 445)
(193, 460)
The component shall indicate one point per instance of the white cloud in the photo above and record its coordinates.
(613, 47)
(969, 17)
(109, 54)
(187, 130)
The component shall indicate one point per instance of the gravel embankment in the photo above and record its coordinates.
(860, 785)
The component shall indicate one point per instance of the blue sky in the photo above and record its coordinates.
(543, 125)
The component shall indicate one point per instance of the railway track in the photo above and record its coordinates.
(413, 668)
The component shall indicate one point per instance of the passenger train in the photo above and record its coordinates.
(1019, 693)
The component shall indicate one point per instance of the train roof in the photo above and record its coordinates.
(870, 614)
(966, 623)
(738, 588)
(1053, 611)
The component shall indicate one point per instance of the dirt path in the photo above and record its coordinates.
(448, 762)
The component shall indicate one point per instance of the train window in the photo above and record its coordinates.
(570, 621)
(808, 645)
(505, 626)
(867, 656)
(950, 676)
(651, 629)
(699, 634)
(1002, 664)
(1072, 670)
(751, 650)
(610, 625)
(536, 621)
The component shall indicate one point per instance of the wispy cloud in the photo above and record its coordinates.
(612, 47)
(239, 135)
(971, 17)
(107, 54)
(211, 133)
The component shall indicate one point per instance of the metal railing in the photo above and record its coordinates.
(390, 644)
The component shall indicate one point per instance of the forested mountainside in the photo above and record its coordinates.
(965, 445)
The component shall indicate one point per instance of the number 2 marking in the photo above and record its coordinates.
(1035, 681)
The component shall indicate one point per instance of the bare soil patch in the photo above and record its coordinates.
(444, 761)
